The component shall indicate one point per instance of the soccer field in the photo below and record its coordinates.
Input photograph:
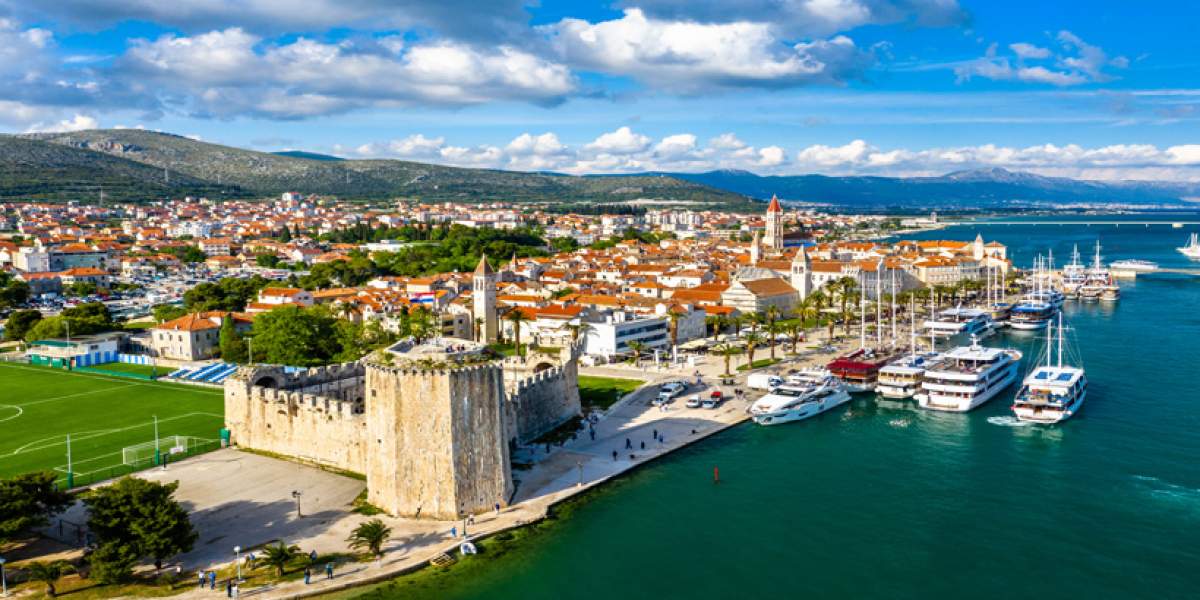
(40, 406)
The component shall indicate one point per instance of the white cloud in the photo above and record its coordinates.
(689, 55)
(76, 123)
(621, 141)
(1078, 63)
(546, 144)
(231, 72)
(808, 18)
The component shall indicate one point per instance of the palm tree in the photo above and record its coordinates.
(578, 329)
(845, 289)
(673, 322)
(793, 330)
(371, 536)
(636, 347)
(48, 573)
(516, 317)
(752, 340)
(773, 330)
(279, 556)
(716, 323)
(727, 351)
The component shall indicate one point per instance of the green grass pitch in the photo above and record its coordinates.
(39, 406)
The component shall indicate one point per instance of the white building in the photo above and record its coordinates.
(611, 337)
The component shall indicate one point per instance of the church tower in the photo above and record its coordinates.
(755, 250)
(774, 237)
(802, 279)
(483, 297)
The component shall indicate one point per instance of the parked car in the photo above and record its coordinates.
(713, 400)
(693, 401)
(669, 391)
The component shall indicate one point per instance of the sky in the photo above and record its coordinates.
(1097, 90)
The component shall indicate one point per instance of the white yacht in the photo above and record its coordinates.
(902, 379)
(968, 376)
(1192, 249)
(953, 321)
(1053, 392)
(797, 402)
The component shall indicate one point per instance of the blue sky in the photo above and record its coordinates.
(1102, 90)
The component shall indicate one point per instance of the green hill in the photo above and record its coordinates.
(235, 170)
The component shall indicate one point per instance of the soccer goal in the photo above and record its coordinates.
(144, 453)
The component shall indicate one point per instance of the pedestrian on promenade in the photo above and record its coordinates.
(212, 580)
(307, 575)
(497, 509)
(454, 532)
(470, 519)
(312, 556)
(203, 577)
(643, 445)
(229, 588)
(628, 444)
(654, 434)
(329, 570)
(614, 456)
(592, 432)
(236, 590)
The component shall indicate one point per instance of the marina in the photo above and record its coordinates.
(886, 475)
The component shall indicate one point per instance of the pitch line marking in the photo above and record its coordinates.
(20, 411)
(95, 433)
(179, 387)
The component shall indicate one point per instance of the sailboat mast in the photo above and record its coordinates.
(1049, 343)
(893, 272)
(862, 316)
(912, 325)
(1060, 339)
(879, 305)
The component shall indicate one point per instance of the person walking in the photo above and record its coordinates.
(229, 588)
(592, 432)
(614, 456)
(654, 434)
(329, 570)
(628, 444)
(307, 575)
(453, 532)
(212, 580)
(643, 445)
(203, 579)
(497, 509)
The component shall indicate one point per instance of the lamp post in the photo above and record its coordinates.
(237, 559)
(579, 464)
(296, 494)
(3, 578)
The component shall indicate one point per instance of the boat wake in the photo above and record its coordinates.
(901, 423)
(1169, 491)
(1008, 422)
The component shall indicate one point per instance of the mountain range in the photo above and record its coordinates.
(135, 165)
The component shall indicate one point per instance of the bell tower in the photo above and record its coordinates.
(483, 298)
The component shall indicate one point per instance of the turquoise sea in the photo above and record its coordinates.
(887, 501)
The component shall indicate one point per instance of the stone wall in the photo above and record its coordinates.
(540, 400)
(324, 429)
(437, 439)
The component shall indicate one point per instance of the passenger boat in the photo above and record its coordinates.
(1053, 392)
(859, 370)
(1074, 275)
(902, 378)
(968, 376)
(953, 321)
(788, 403)
(1100, 284)
(1192, 249)
(1030, 315)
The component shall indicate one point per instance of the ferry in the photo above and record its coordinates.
(902, 379)
(859, 370)
(1030, 314)
(788, 403)
(1052, 393)
(968, 376)
(1192, 249)
(953, 321)
(1132, 264)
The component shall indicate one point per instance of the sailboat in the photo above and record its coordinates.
(1054, 391)
(902, 378)
(1192, 249)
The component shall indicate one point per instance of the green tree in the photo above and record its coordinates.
(727, 351)
(285, 234)
(233, 347)
(291, 335)
(371, 536)
(28, 501)
(19, 323)
(637, 348)
(279, 556)
(266, 260)
(752, 341)
(517, 318)
(80, 288)
(137, 519)
(13, 293)
(48, 573)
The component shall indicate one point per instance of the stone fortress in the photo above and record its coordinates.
(430, 425)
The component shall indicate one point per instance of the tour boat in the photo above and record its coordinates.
(788, 403)
(902, 378)
(1030, 314)
(1053, 392)
(968, 376)
(1074, 275)
(859, 370)
(1099, 284)
(1192, 249)
(953, 321)
(1133, 264)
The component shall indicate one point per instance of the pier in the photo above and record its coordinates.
(1130, 274)
(1171, 224)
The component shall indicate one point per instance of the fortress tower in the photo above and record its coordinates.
(774, 234)
(483, 297)
(436, 440)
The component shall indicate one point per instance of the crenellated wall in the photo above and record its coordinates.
(540, 400)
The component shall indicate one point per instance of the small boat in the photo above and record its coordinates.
(467, 548)
(1192, 249)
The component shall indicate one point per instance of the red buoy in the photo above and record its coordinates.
(716, 475)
